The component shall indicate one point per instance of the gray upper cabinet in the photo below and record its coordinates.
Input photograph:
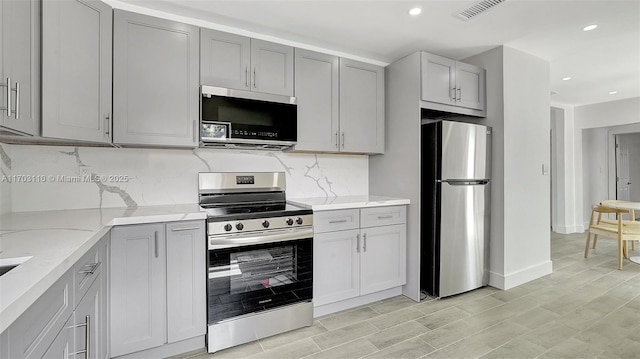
(471, 86)
(361, 107)
(76, 70)
(460, 87)
(272, 67)
(20, 66)
(155, 81)
(238, 62)
(438, 79)
(317, 84)
(225, 59)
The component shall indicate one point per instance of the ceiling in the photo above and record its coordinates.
(599, 61)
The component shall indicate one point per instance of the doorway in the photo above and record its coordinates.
(627, 166)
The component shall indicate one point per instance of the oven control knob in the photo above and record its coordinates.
(265, 223)
(228, 227)
(289, 221)
(298, 220)
(239, 226)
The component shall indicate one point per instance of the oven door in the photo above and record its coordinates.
(249, 278)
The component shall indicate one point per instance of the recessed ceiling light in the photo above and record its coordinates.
(415, 11)
(613, 92)
(566, 78)
(590, 27)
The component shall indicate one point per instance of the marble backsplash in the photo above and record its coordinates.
(57, 177)
(5, 175)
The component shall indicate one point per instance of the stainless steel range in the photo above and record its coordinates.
(260, 250)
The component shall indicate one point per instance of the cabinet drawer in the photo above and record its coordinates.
(32, 333)
(382, 216)
(87, 269)
(329, 221)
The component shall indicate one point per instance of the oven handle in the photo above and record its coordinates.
(221, 242)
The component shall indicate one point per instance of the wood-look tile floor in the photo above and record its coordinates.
(585, 309)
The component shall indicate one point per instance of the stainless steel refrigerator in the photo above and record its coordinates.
(455, 211)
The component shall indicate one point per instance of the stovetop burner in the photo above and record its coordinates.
(234, 196)
(229, 213)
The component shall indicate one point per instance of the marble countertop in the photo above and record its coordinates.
(56, 240)
(346, 202)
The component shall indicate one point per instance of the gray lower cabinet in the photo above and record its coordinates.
(317, 81)
(171, 305)
(358, 252)
(62, 346)
(33, 332)
(361, 107)
(156, 81)
(239, 62)
(84, 332)
(70, 317)
(20, 66)
(76, 70)
(186, 280)
(138, 280)
(340, 104)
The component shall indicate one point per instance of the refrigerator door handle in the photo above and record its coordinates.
(460, 182)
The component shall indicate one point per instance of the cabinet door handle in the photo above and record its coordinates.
(8, 97)
(453, 97)
(459, 94)
(89, 268)
(358, 243)
(337, 142)
(364, 245)
(385, 217)
(155, 242)
(184, 229)
(107, 124)
(246, 76)
(87, 339)
(343, 140)
(338, 221)
(254, 78)
(195, 131)
(17, 110)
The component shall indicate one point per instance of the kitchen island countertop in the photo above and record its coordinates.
(56, 240)
(347, 202)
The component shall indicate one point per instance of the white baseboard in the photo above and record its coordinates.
(578, 228)
(522, 276)
(355, 302)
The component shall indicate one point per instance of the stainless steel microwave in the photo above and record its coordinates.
(240, 118)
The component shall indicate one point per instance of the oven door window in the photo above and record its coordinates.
(250, 279)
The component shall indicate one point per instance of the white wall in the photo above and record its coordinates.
(5, 178)
(632, 143)
(557, 168)
(595, 168)
(166, 176)
(527, 149)
(607, 114)
(518, 111)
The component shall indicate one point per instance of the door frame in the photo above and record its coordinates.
(619, 130)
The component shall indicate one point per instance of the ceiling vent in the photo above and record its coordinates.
(477, 9)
